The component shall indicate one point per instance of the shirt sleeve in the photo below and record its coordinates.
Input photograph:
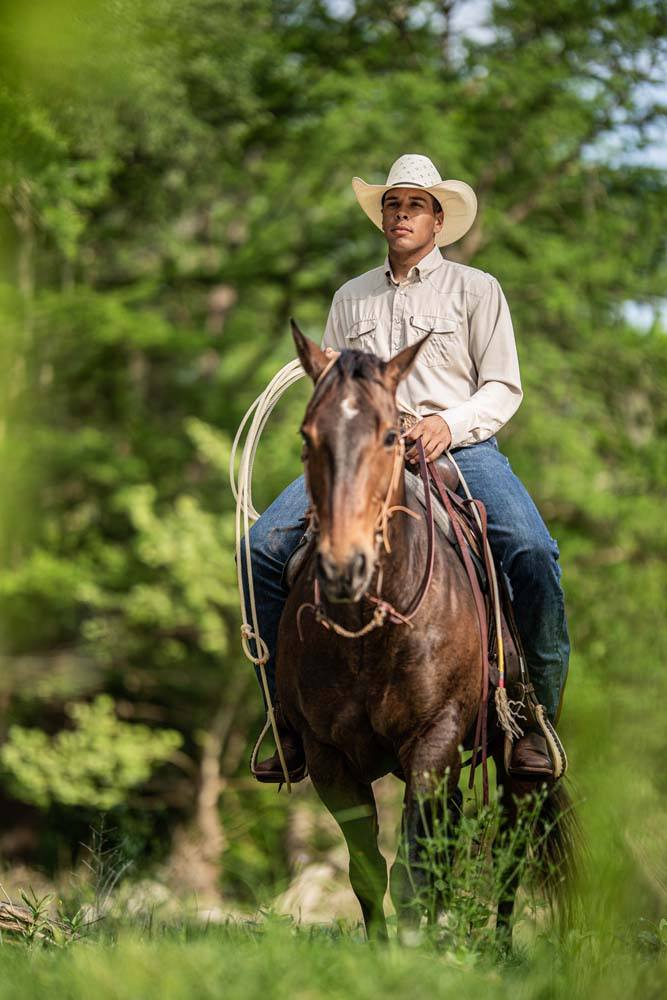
(334, 335)
(493, 351)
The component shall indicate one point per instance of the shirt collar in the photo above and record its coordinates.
(426, 265)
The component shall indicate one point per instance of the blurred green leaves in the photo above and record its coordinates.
(174, 184)
(94, 764)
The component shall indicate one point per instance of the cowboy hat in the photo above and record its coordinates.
(458, 200)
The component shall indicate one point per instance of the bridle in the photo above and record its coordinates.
(384, 611)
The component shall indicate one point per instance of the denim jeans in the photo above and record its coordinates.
(519, 539)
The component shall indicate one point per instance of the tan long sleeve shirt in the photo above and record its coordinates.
(468, 372)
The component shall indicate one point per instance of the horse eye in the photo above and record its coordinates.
(390, 439)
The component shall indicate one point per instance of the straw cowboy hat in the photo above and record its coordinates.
(458, 200)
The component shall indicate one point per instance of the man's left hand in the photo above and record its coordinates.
(435, 434)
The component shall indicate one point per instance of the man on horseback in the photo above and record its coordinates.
(464, 386)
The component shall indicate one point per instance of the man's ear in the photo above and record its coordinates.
(401, 363)
(313, 359)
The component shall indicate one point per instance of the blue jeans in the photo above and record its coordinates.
(519, 540)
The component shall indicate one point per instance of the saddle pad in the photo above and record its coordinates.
(415, 486)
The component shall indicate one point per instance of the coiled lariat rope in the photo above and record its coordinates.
(245, 513)
(260, 411)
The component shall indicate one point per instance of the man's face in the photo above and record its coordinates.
(409, 219)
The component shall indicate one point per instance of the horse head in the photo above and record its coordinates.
(353, 457)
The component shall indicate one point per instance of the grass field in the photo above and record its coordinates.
(283, 962)
(616, 946)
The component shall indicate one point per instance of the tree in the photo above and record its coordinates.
(175, 185)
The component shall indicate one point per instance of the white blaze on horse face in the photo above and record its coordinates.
(349, 409)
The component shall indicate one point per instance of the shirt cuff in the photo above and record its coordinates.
(459, 419)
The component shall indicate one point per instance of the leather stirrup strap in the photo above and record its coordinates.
(480, 604)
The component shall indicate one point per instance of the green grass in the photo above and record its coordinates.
(279, 961)
(616, 947)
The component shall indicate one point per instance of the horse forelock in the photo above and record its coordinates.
(352, 370)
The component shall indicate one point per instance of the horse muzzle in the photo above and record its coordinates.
(344, 582)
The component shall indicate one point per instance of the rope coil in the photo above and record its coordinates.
(260, 412)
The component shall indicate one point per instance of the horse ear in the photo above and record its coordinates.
(313, 359)
(401, 363)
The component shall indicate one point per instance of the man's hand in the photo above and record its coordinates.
(331, 354)
(435, 434)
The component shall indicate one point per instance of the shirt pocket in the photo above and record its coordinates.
(360, 336)
(439, 349)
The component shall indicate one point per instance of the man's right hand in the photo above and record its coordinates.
(331, 354)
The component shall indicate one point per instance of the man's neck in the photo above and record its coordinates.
(401, 263)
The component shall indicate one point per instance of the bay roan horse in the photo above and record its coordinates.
(400, 698)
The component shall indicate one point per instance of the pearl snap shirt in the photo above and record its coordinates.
(468, 372)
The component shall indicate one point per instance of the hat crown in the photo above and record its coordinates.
(413, 169)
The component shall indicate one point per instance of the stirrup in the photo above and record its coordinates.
(258, 743)
(537, 715)
(554, 744)
(262, 776)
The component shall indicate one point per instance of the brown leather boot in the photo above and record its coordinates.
(530, 758)
(270, 770)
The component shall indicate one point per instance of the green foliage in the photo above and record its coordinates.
(174, 184)
(95, 764)
(468, 863)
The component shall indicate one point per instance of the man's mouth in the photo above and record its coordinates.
(400, 230)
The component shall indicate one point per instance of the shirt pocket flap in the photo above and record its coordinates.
(361, 327)
(434, 324)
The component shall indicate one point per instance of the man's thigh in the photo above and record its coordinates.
(514, 522)
(278, 531)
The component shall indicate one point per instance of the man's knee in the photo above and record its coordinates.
(532, 555)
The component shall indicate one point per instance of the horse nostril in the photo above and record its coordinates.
(359, 566)
(324, 567)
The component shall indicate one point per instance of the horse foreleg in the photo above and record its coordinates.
(421, 875)
(352, 804)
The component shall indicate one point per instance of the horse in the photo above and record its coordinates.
(370, 696)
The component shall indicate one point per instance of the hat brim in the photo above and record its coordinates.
(458, 201)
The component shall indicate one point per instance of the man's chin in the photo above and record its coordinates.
(403, 243)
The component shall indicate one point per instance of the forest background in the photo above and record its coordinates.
(174, 184)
